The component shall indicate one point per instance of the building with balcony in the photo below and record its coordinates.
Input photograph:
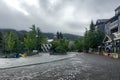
(100, 25)
(112, 31)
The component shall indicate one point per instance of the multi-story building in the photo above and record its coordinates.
(112, 31)
(100, 25)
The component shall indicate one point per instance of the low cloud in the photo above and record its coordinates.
(67, 16)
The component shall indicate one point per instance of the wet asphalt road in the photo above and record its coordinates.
(80, 67)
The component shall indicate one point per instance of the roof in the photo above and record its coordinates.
(117, 8)
(101, 21)
(113, 18)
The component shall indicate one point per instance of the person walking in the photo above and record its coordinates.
(108, 52)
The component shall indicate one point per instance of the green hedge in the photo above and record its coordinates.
(59, 47)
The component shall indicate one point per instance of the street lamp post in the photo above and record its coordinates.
(37, 42)
(5, 48)
(84, 39)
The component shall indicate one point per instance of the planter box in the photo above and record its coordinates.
(96, 53)
(24, 55)
(115, 55)
(105, 54)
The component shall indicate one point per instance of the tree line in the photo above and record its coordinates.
(91, 39)
(60, 44)
(12, 42)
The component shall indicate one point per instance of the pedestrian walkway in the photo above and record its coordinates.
(32, 60)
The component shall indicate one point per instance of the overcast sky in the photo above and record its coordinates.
(67, 16)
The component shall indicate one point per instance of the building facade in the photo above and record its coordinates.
(100, 25)
(112, 31)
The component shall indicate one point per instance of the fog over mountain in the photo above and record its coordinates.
(47, 35)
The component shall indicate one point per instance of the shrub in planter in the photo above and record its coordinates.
(60, 50)
(59, 47)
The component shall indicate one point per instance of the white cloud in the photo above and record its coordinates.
(33, 3)
(68, 13)
(70, 16)
(16, 4)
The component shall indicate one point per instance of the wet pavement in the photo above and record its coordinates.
(36, 59)
(80, 67)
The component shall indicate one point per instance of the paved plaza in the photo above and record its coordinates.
(79, 67)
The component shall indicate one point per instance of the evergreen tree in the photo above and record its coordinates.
(58, 35)
(61, 35)
(93, 39)
(92, 26)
